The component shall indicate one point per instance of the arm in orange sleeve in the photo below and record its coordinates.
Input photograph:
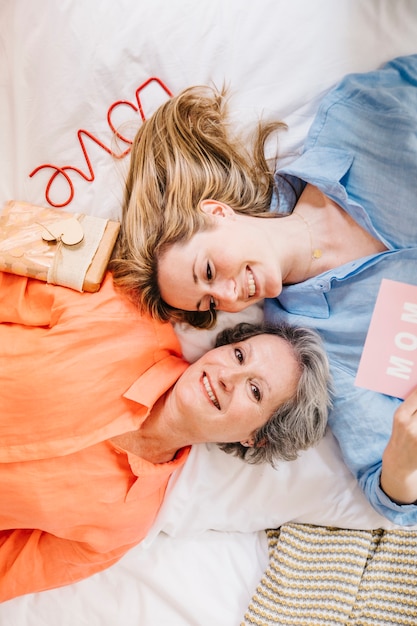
(25, 301)
(32, 560)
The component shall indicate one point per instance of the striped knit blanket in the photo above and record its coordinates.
(320, 576)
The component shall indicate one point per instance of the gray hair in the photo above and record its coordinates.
(299, 423)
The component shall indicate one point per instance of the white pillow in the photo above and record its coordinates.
(215, 491)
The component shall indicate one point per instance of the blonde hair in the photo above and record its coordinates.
(183, 154)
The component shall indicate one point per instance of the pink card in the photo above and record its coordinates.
(389, 359)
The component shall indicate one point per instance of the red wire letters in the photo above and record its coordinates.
(68, 170)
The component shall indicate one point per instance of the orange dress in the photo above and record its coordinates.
(76, 369)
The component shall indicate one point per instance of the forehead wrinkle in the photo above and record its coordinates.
(251, 350)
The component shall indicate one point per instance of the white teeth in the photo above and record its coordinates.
(251, 284)
(210, 392)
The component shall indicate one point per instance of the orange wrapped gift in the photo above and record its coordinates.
(68, 249)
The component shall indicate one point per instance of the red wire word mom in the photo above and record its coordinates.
(81, 134)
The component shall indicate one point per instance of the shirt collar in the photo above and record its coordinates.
(153, 383)
(327, 165)
(322, 167)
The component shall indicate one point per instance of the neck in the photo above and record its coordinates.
(335, 237)
(313, 253)
(297, 254)
(309, 239)
(160, 437)
(155, 441)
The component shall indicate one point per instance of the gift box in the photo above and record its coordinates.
(62, 248)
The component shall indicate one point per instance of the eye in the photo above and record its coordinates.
(209, 273)
(256, 393)
(239, 355)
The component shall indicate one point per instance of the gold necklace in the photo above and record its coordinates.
(316, 253)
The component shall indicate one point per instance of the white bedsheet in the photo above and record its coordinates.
(74, 65)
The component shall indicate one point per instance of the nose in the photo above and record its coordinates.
(229, 378)
(225, 291)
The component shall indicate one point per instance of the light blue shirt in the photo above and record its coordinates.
(361, 152)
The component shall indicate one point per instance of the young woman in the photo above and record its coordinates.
(348, 219)
(97, 409)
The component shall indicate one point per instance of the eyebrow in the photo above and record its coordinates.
(195, 279)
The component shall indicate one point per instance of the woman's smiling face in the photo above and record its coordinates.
(231, 391)
(227, 267)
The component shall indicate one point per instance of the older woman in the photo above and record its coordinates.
(347, 220)
(98, 409)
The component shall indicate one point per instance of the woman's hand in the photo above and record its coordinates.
(399, 461)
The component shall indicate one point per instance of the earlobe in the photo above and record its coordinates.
(213, 207)
(248, 443)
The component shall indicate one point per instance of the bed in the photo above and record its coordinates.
(76, 80)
